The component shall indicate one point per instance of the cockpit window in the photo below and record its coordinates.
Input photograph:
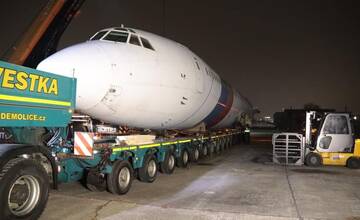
(146, 43)
(134, 40)
(98, 35)
(117, 36)
(120, 29)
(122, 35)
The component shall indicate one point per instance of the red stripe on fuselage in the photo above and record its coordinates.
(226, 108)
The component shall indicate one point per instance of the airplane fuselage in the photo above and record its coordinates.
(135, 78)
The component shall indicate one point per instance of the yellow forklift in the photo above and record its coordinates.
(330, 139)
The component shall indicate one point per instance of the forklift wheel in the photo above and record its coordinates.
(313, 160)
(353, 163)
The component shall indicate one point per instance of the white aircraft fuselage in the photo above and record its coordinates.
(135, 78)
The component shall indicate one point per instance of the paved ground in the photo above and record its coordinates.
(240, 184)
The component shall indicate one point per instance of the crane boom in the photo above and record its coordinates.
(41, 37)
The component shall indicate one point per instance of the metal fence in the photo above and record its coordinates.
(288, 148)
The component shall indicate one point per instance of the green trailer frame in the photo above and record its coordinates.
(33, 98)
(72, 168)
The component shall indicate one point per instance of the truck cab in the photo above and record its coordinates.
(35, 109)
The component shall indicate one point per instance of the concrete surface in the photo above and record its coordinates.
(239, 184)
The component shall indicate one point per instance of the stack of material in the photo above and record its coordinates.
(135, 139)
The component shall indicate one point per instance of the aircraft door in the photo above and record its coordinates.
(335, 134)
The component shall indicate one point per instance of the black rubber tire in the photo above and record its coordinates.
(204, 151)
(211, 150)
(313, 159)
(226, 143)
(143, 173)
(246, 138)
(195, 154)
(222, 145)
(217, 147)
(231, 141)
(181, 161)
(112, 181)
(353, 163)
(168, 165)
(13, 170)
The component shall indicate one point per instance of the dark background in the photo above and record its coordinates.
(279, 54)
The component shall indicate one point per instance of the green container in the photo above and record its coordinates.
(33, 98)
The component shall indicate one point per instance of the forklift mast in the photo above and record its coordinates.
(309, 116)
(313, 124)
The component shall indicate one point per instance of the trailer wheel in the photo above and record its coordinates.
(183, 160)
(148, 172)
(227, 143)
(313, 159)
(120, 179)
(168, 165)
(204, 151)
(353, 163)
(211, 149)
(217, 147)
(24, 189)
(246, 138)
(231, 141)
(195, 154)
(222, 146)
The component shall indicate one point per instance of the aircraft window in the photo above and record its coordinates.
(124, 29)
(98, 35)
(134, 40)
(117, 36)
(146, 43)
(120, 29)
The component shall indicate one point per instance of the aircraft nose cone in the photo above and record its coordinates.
(87, 63)
(71, 61)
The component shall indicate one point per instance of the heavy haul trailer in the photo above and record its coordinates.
(36, 151)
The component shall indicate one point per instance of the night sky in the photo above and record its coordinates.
(279, 54)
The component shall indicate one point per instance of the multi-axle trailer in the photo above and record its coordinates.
(41, 148)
